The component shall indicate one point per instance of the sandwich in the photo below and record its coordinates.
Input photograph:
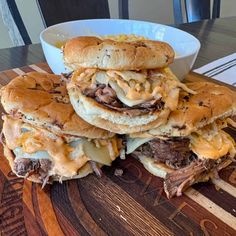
(123, 87)
(42, 99)
(43, 138)
(193, 145)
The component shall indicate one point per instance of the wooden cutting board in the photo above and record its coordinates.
(131, 204)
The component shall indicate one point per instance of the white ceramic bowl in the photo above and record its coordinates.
(185, 45)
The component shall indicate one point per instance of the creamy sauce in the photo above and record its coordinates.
(210, 142)
(134, 88)
(213, 147)
(66, 159)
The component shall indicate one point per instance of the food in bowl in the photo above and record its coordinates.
(118, 38)
(185, 45)
(60, 44)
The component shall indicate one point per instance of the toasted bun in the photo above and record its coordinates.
(42, 100)
(92, 52)
(114, 121)
(211, 102)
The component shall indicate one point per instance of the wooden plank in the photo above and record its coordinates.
(131, 204)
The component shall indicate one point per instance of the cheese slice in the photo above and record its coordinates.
(129, 75)
(135, 87)
(121, 95)
(100, 155)
(19, 153)
(67, 158)
(103, 78)
(134, 143)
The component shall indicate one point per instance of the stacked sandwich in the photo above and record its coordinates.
(59, 128)
(192, 146)
(123, 87)
(174, 129)
(44, 139)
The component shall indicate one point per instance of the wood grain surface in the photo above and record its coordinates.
(131, 204)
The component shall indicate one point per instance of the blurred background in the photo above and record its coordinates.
(160, 11)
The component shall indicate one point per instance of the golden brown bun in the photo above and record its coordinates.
(211, 102)
(114, 121)
(41, 99)
(92, 52)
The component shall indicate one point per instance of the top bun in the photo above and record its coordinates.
(211, 102)
(93, 52)
(42, 100)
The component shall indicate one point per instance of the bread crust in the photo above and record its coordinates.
(42, 100)
(93, 52)
(112, 120)
(211, 102)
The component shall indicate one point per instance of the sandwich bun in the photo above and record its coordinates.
(109, 119)
(43, 156)
(211, 102)
(42, 100)
(93, 52)
(143, 99)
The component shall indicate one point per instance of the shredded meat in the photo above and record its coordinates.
(173, 152)
(107, 96)
(66, 76)
(187, 168)
(177, 181)
(91, 91)
(26, 167)
(96, 169)
(158, 104)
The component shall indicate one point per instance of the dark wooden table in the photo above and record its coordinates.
(217, 37)
(131, 204)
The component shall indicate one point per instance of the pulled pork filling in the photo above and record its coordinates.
(45, 156)
(107, 96)
(25, 167)
(198, 171)
(173, 152)
(176, 153)
(131, 92)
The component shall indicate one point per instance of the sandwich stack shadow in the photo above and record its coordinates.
(44, 139)
(174, 129)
